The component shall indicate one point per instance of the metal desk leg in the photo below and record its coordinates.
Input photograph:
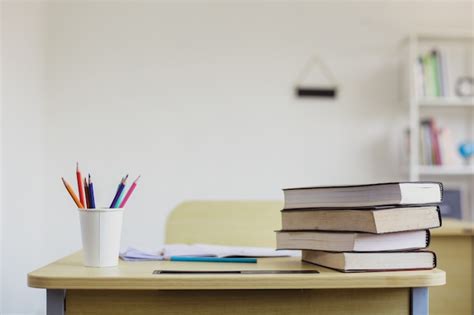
(55, 301)
(419, 301)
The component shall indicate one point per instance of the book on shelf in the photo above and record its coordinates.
(370, 220)
(430, 142)
(371, 195)
(382, 261)
(436, 145)
(352, 242)
(431, 74)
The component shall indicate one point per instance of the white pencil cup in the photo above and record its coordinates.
(101, 230)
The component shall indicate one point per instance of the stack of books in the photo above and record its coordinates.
(372, 227)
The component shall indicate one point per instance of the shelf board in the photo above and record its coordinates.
(443, 35)
(445, 170)
(446, 102)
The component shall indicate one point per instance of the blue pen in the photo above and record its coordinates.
(245, 260)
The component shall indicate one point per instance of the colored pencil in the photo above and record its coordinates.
(120, 188)
(129, 192)
(91, 193)
(71, 193)
(79, 184)
(86, 191)
(120, 198)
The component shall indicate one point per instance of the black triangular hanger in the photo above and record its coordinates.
(329, 91)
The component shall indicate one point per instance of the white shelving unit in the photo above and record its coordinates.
(449, 102)
(420, 107)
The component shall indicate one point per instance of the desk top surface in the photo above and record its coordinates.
(68, 273)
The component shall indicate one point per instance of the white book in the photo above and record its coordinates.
(381, 194)
(352, 242)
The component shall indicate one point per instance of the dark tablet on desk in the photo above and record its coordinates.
(242, 272)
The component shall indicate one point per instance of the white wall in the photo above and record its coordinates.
(23, 209)
(197, 98)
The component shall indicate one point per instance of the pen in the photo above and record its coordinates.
(215, 259)
(71, 193)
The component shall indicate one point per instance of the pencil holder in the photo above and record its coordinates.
(100, 231)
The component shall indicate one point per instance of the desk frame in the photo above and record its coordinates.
(419, 301)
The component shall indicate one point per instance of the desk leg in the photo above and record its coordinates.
(55, 301)
(419, 301)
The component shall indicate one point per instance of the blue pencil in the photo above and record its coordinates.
(120, 188)
(120, 198)
(91, 193)
(215, 259)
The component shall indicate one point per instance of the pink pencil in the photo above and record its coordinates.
(129, 192)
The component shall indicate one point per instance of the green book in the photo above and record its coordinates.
(434, 62)
(429, 76)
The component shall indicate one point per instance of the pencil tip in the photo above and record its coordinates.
(124, 180)
(77, 166)
(138, 178)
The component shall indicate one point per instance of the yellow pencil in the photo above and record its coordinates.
(71, 192)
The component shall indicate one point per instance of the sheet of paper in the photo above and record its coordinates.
(132, 254)
(207, 250)
(203, 250)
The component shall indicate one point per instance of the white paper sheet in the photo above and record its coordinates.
(203, 250)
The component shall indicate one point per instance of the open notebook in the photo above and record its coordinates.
(204, 250)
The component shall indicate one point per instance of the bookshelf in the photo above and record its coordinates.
(450, 102)
(445, 170)
(451, 110)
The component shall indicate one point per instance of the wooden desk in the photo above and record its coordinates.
(453, 244)
(131, 288)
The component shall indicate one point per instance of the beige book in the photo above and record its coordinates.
(368, 220)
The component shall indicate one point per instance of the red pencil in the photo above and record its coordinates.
(80, 186)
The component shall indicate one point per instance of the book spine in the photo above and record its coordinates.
(428, 238)
(426, 75)
(420, 78)
(441, 188)
(429, 76)
(422, 157)
(427, 143)
(435, 141)
(445, 74)
(440, 217)
(441, 74)
(436, 72)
